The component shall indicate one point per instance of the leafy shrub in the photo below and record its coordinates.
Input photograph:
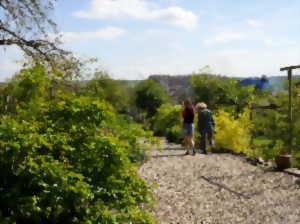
(138, 141)
(167, 122)
(150, 96)
(264, 148)
(27, 88)
(233, 134)
(218, 90)
(272, 126)
(70, 163)
(104, 87)
(174, 134)
(35, 187)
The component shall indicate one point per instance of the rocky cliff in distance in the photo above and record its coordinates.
(177, 86)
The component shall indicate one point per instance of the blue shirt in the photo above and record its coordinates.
(205, 119)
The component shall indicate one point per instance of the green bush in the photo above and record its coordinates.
(167, 122)
(218, 91)
(271, 125)
(104, 87)
(70, 163)
(35, 187)
(150, 96)
(233, 134)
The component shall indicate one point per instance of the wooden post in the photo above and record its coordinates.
(290, 111)
(290, 115)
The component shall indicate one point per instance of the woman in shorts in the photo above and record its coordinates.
(188, 114)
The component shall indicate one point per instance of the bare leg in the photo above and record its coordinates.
(186, 144)
(190, 143)
(193, 145)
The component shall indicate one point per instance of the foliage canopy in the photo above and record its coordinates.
(150, 96)
(71, 160)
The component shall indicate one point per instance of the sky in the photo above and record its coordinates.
(136, 38)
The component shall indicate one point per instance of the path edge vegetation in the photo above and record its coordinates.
(70, 154)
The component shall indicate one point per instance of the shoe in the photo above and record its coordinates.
(186, 153)
(194, 152)
(213, 149)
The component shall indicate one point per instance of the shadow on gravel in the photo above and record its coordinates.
(215, 181)
(276, 170)
(222, 186)
(171, 155)
(179, 147)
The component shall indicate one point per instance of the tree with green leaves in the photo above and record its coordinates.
(219, 91)
(150, 96)
(108, 89)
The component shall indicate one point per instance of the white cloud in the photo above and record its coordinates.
(176, 16)
(231, 53)
(139, 9)
(227, 36)
(176, 47)
(262, 36)
(254, 62)
(254, 23)
(271, 42)
(8, 68)
(107, 33)
(154, 33)
(228, 61)
(8, 61)
(106, 9)
(173, 1)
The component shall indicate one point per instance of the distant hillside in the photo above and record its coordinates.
(278, 81)
(179, 88)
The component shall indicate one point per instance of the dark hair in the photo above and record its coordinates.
(188, 103)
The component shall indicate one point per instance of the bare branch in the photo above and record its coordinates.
(26, 24)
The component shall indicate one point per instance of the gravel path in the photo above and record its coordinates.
(219, 188)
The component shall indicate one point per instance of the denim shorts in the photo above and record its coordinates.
(188, 129)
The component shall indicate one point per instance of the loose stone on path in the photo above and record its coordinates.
(219, 188)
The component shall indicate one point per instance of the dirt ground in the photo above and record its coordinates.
(219, 188)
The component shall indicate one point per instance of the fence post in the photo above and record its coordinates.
(290, 113)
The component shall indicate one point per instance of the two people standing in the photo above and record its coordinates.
(205, 126)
